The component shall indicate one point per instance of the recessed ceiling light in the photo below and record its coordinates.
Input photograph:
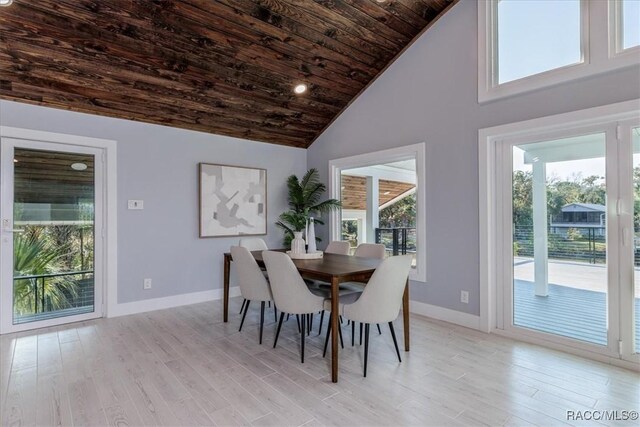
(300, 88)
(5, 2)
(386, 193)
(78, 166)
(14, 160)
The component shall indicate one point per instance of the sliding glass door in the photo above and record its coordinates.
(559, 215)
(570, 208)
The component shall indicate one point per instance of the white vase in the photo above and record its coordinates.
(311, 237)
(297, 244)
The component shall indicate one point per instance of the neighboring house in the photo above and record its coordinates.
(580, 216)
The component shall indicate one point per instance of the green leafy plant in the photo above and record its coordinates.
(35, 254)
(304, 202)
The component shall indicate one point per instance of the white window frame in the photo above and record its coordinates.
(493, 201)
(600, 44)
(616, 33)
(415, 151)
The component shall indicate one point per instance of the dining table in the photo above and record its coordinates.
(333, 269)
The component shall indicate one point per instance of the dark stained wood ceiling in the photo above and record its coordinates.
(220, 66)
(354, 191)
(47, 177)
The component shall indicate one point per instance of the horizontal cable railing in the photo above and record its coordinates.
(397, 241)
(566, 242)
(40, 296)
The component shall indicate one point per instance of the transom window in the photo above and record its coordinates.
(536, 36)
(629, 17)
(526, 45)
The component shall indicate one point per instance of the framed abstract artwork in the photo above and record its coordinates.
(233, 201)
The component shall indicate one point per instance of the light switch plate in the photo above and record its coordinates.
(135, 204)
(147, 284)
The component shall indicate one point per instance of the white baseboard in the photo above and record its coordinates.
(169, 302)
(445, 314)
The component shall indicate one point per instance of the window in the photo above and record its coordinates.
(534, 37)
(382, 202)
(526, 45)
(628, 17)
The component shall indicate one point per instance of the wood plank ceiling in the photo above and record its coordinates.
(47, 177)
(354, 191)
(226, 66)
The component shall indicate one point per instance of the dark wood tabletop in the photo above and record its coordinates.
(330, 265)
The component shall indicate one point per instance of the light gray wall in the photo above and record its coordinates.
(430, 94)
(159, 165)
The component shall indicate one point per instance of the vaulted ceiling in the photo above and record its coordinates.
(220, 66)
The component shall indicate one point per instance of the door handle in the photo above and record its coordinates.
(625, 236)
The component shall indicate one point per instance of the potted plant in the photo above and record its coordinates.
(304, 202)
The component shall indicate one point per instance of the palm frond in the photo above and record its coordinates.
(304, 201)
(326, 206)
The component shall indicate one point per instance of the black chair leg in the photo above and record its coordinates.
(360, 333)
(310, 326)
(302, 337)
(244, 301)
(298, 320)
(366, 347)
(395, 342)
(379, 331)
(275, 313)
(246, 308)
(261, 319)
(321, 320)
(340, 334)
(287, 317)
(269, 304)
(353, 334)
(275, 341)
(326, 340)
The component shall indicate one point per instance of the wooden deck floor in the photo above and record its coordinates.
(566, 311)
(185, 367)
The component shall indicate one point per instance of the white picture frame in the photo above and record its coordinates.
(233, 200)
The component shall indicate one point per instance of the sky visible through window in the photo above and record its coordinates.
(630, 23)
(536, 36)
(539, 35)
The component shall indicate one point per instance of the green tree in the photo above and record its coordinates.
(522, 198)
(400, 214)
(36, 254)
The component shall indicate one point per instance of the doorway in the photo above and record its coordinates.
(560, 226)
(51, 234)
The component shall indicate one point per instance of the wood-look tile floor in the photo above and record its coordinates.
(185, 367)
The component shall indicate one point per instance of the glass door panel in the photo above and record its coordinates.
(635, 140)
(53, 235)
(560, 238)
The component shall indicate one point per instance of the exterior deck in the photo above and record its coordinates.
(575, 309)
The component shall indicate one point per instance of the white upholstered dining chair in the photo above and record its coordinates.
(380, 301)
(253, 244)
(253, 284)
(338, 247)
(290, 292)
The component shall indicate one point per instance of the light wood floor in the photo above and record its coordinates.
(184, 366)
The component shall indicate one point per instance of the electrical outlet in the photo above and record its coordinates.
(147, 283)
(464, 297)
